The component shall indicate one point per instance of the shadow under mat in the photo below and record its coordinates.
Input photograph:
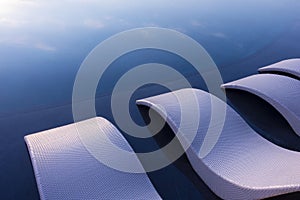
(264, 119)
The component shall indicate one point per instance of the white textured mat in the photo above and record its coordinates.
(291, 66)
(64, 169)
(282, 92)
(242, 164)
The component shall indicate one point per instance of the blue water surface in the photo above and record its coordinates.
(43, 43)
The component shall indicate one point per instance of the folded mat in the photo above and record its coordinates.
(65, 169)
(242, 164)
(282, 92)
(290, 67)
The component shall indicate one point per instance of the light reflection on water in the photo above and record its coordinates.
(42, 43)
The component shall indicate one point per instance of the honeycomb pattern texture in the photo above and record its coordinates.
(242, 164)
(282, 92)
(64, 168)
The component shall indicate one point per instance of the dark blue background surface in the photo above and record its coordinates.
(42, 44)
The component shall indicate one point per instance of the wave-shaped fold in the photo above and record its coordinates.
(282, 92)
(242, 164)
